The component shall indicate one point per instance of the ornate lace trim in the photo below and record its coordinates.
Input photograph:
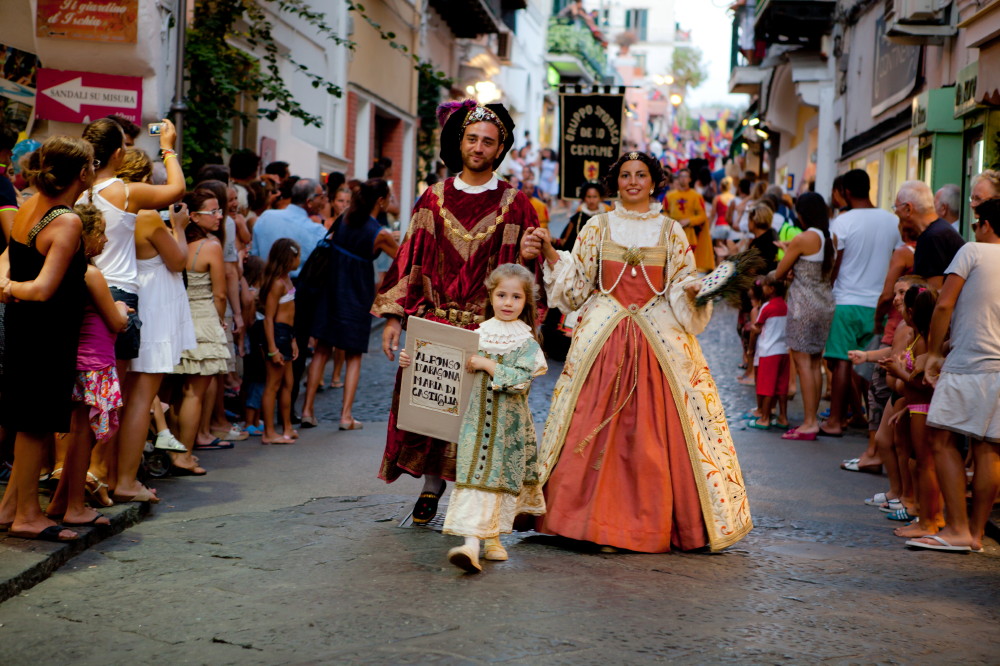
(653, 212)
(500, 337)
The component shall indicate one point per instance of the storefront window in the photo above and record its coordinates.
(895, 175)
(973, 167)
(925, 164)
(872, 169)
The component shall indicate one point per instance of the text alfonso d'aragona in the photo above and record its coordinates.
(436, 379)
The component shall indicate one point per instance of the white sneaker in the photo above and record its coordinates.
(167, 442)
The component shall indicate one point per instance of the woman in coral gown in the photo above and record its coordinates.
(637, 453)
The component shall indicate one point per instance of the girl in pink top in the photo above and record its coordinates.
(96, 389)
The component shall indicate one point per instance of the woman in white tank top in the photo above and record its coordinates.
(120, 204)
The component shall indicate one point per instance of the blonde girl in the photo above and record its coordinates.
(496, 474)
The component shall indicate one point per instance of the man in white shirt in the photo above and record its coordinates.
(866, 237)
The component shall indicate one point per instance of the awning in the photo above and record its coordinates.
(988, 82)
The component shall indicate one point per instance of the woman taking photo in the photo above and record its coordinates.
(637, 452)
(167, 329)
(343, 318)
(45, 298)
(206, 290)
(810, 304)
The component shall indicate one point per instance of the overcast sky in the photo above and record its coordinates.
(711, 31)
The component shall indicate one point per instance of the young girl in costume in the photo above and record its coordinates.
(496, 474)
(277, 295)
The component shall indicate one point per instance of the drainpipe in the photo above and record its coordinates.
(178, 107)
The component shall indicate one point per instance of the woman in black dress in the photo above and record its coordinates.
(343, 320)
(45, 296)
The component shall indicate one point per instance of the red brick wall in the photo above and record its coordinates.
(392, 147)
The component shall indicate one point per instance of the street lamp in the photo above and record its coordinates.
(665, 80)
(676, 99)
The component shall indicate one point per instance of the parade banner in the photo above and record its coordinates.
(436, 388)
(88, 20)
(591, 138)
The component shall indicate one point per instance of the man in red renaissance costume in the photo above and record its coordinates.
(461, 229)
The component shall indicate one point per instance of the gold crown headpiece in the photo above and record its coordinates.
(481, 114)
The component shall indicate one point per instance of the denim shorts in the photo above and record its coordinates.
(127, 343)
(283, 336)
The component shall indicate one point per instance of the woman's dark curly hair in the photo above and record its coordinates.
(655, 173)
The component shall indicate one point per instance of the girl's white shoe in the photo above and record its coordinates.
(465, 558)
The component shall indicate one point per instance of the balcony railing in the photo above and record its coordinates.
(572, 37)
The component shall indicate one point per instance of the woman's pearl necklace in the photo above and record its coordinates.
(633, 256)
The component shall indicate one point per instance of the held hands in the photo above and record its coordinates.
(531, 245)
(390, 337)
(404, 359)
(124, 310)
(894, 366)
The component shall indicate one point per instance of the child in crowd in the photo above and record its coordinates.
(919, 307)
(497, 467)
(773, 360)
(764, 236)
(254, 370)
(892, 441)
(277, 293)
(96, 388)
(748, 315)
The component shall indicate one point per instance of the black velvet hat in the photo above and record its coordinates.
(456, 116)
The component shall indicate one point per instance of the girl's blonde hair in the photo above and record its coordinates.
(517, 272)
(90, 216)
(136, 166)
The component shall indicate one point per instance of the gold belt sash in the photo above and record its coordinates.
(461, 317)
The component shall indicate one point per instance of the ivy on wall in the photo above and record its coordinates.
(219, 74)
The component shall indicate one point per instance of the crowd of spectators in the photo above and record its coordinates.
(893, 309)
(145, 316)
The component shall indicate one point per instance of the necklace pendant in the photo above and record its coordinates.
(634, 272)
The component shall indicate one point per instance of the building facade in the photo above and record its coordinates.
(902, 89)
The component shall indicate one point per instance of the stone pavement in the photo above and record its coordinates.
(292, 555)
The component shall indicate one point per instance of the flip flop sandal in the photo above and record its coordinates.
(427, 505)
(757, 426)
(50, 533)
(890, 506)
(901, 515)
(90, 523)
(824, 433)
(215, 445)
(940, 545)
(799, 436)
(877, 499)
(852, 466)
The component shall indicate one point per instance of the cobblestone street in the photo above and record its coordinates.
(290, 555)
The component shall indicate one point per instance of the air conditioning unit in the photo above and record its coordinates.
(916, 10)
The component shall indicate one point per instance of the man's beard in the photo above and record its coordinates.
(487, 165)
